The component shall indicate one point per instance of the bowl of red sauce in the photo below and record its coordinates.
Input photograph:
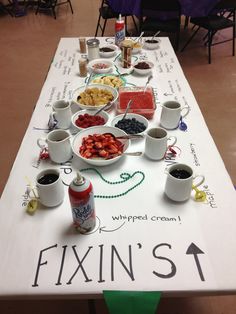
(84, 119)
(143, 101)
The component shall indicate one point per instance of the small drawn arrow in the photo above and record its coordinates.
(194, 250)
(111, 230)
(167, 94)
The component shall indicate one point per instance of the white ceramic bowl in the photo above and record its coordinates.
(138, 117)
(100, 66)
(150, 45)
(143, 71)
(75, 116)
(79, 90)
(98, 130)
(137, 47)
(108, 54)
(109, 79)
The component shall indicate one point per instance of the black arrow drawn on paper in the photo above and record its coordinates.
(110, 230)
(193, 249)
(167, 94)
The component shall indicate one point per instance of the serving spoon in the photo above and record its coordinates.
(148, 81)
(137, 39)
(127, 109)
(103, 108)
(157, 33)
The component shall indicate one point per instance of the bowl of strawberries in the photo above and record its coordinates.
(100, 145)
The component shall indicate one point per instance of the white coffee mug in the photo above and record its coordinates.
(62, 113)
(59, 146)
(50, 187)
(156, 143)
(171, 113)
(179, 182)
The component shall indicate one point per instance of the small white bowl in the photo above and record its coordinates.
(143, 71)
(100, 66)
(75, 116)
(98, 130)
(108, 54)
(79, 90)
(151, 45)
(138, 117)
(137, 47)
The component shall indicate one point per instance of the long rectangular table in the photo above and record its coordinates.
(142, 240)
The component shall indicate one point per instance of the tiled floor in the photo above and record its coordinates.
(28, 44)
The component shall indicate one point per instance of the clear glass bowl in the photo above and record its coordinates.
(143, 102)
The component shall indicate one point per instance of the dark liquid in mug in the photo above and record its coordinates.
(180, 174)
(48, 178)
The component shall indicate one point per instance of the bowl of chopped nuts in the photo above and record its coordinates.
(143, 67)
(100, 145)
(100, 66)
(95, 96)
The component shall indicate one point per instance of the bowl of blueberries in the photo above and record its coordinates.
(132, 123)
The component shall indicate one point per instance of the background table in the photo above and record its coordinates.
(189, 7)
(142, 241)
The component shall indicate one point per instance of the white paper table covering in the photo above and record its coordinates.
(138, 221)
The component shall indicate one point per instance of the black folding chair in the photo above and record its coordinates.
(106, 13)
(221, 17)
(51, 5)
(161, 15)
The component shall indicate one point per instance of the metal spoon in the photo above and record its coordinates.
(127, 137)
(148, 81)
(137, 39)
(127, 109)
(89, 79)
(127, 154)
(103, 108)
(157, 33)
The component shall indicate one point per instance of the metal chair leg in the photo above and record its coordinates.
(98, 24)
(92, 308)
(104, 26)
(193, 35)
(210, 36)
(71, 7)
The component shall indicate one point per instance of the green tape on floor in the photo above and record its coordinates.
(132, 302)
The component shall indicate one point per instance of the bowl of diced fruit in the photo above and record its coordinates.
(100, 66)
(84, 119)
(100, 145)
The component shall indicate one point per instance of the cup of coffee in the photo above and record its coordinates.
(179, 182)
(171, 113)
(62, 113)
(59, 146)
(156, 143)
(50, 187)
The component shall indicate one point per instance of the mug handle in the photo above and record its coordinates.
(202, 179)
(39, 140)
(174, 138)
(187, 111)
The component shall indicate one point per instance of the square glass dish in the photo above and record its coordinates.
(143, 102)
